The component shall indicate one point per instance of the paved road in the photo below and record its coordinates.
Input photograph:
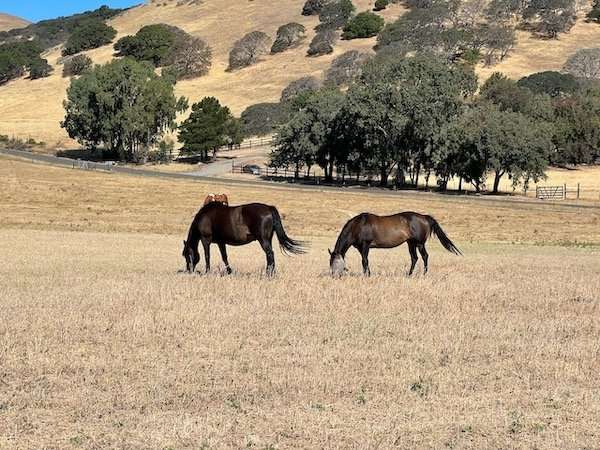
(508, 202)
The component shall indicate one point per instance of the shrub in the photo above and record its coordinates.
(585, 63)
(164, 153)
(336, 14)
(313, 7)
(247, 50)
(302, 85)
(594, 15)
(190, 57)
(10, 67)
(39, 68)
(364, 25)
(263, 118)
(322, 43)
(76, 65)
(381, 5)
(288, 36)
(551, 83)
(88, 35)
(346, 67)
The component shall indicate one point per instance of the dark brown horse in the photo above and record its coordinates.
(367, 231)
(220, 224)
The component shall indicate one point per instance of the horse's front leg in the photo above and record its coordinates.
(364, 253)
(223, 250)
(206, 245)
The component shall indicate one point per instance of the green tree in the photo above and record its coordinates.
(503, 143)
(209, 127)
(152, 43)
(122, 105)
(397, 107)
(293, 146)
(88, 35)
(363, 25)
(577, 128)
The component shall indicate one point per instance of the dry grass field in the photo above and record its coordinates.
(8, 22)
(103, 344)
(34, 108)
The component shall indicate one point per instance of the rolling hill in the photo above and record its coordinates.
(8, 22)
(34, 108)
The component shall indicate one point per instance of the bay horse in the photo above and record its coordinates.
(367, 231)
(217, 223)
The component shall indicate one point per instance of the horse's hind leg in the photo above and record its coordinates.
(267, 247)
(424, 256)
(412, 249)
(223, 249)
(206, 245)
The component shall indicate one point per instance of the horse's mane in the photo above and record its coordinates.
(342, 243)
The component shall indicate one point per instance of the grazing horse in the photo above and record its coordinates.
(220, 198)
(239, 225)
(367, 231)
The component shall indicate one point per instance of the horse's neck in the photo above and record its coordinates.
(193, 235)
(343, 242)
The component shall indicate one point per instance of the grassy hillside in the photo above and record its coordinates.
(34, 109)
(8, 22)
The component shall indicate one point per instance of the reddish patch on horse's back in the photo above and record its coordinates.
(216, 198)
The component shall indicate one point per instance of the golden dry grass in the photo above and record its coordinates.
(104, 345)
(8, 22)
(45, 197)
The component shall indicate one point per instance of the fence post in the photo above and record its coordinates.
(578, 191)
(565, 191)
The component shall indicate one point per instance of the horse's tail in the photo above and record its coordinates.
(443, 237)
(287, 244)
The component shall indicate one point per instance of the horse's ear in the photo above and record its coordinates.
(329, 252)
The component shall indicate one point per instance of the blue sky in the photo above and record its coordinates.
(35, 10)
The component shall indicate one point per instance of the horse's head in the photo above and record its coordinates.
(336, 263)
(191, 256)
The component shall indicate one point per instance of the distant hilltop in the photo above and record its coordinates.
(8, 22)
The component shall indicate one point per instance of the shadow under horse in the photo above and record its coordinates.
(217, 223)
(367, 231)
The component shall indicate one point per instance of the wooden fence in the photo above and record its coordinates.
(248, 143)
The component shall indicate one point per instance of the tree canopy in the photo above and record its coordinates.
(209, 127)
(122, 105)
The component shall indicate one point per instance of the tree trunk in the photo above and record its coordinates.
(459, 184)
(417, 171)
(497, 177)
(384, 177)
